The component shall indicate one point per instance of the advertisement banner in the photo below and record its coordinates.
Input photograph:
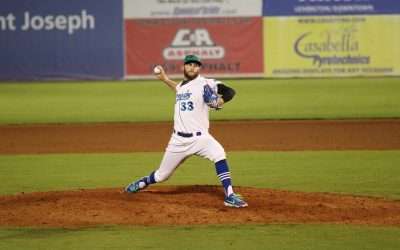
(227, 46)
(191, 8)
(53, 39)
(332, 46)
(330, 7)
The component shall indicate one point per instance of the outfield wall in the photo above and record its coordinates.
(53, 39)
(101, 39)
(322, 38)
(227, 35)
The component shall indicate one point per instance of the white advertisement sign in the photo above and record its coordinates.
(191, 8)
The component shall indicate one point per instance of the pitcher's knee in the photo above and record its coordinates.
(218, 157)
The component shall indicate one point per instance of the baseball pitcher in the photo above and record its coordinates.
(195, 95)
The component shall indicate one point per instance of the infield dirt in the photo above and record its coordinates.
(238, 135)
(185, 205)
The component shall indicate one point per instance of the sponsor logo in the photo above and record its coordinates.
(197, 42)
(332, 47)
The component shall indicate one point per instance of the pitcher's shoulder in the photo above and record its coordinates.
(210, 81)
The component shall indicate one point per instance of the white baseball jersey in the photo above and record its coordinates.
(191, 112)
(191, 117)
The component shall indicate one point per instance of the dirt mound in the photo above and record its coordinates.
(188, 205)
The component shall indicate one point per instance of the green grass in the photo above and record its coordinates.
(280, 237)
(356, 172)
(373, 173)
(132, 101)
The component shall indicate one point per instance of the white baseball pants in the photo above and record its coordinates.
(179, 148)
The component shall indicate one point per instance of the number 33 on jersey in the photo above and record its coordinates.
(187, 106)
(184, 102)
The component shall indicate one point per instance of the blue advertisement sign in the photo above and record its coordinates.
(330, 7)
(61, 39)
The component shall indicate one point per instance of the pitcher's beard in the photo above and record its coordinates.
(187, 76)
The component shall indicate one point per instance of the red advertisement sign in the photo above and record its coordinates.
(227, 46)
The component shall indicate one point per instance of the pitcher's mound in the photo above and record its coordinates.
(188, 205)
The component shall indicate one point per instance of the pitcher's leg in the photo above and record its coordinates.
(213, 150)
(224, 176)
(168, 165)
(231, 199)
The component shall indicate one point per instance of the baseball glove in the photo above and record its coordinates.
(210, 97)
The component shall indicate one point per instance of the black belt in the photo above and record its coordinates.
(187, 135)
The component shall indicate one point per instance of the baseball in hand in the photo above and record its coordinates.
(157, 70)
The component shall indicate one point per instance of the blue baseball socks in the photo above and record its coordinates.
(147, 180)
(224, 176)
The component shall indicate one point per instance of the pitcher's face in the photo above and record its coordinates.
(191, 70)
